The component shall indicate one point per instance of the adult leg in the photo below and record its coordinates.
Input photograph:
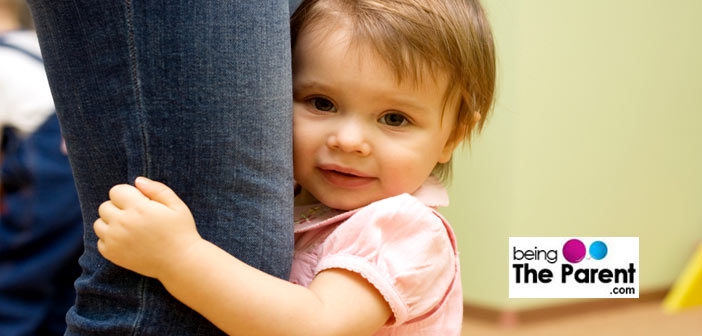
(196, 94)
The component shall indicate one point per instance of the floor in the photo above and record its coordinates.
(640, 319)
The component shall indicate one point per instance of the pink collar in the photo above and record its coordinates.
(307, 217)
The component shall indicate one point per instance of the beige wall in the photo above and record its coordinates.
(596, 131)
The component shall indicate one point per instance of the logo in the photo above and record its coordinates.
(561, 267)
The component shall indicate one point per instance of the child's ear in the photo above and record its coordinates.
(457, 137)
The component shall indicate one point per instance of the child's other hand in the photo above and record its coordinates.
(145, 229)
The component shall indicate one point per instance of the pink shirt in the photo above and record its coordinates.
(401, 245)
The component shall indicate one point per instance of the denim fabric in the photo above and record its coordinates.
(40, 233)
(196, 94)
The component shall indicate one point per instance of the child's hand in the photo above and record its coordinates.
(145, 229)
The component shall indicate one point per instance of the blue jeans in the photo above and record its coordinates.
(196, 94)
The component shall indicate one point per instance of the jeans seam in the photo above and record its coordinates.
(139, 103)
(142, 298)
(134, 70)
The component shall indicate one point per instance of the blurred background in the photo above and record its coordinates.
(41, 228)
(596, 131)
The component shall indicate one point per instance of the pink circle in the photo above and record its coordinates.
(574, 251)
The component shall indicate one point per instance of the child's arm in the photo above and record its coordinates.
(155, 235)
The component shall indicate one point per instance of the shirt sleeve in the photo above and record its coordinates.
(402, 248)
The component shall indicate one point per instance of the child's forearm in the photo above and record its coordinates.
(238, 298)
(242, 300)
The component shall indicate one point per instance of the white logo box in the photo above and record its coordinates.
(614, 276)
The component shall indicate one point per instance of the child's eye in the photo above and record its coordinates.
(394, 119)
(322, 104)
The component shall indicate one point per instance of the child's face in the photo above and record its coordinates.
(359, 135)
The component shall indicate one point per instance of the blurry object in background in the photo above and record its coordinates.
(40, 218)
(40, 234)
(14, 13)
(25, 98)
(687, 290)
(640, 319)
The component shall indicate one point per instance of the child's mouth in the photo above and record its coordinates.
(344, 178)
(344, 174)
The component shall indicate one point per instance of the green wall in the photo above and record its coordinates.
(596, 131)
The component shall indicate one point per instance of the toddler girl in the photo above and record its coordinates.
(384, 91)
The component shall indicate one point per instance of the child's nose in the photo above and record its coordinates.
(349, 138)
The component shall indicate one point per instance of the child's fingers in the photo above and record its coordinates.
(124, 196)
(158, 192)
(100, 228)
(108, 211)
(101, 247)
(104, 250)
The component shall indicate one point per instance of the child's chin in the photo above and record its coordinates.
(346, 204)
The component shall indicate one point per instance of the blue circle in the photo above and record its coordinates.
(598, 250)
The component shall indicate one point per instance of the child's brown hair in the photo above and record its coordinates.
(417, 35)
